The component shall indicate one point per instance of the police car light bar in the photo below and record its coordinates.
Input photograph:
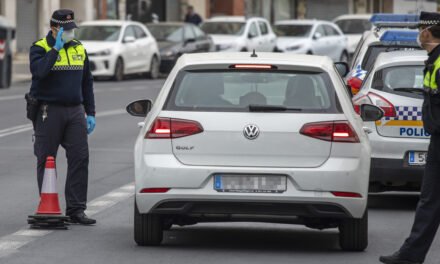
(393, 18)
(399, 36)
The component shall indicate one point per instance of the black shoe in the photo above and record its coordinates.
(82, 219)
(396, 259)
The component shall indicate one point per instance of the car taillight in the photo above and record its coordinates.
(173, 128)
(384, 104)
(337, 131)
(355, 84)
(360, 101)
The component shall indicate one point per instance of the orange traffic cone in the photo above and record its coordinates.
(49, 214)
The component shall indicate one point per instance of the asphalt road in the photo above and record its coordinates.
(111, 240)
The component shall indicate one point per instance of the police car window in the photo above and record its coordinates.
(374, 50)
(263, 27)
(129, 32)
(400, 80)
(140, 33)
(234, 91)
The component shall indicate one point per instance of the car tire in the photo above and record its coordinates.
(309, 52)
(353, 233)
(6, 79)
(344, 57)
(243, 50)
(119, 70)
(148, 228)
(154, 68)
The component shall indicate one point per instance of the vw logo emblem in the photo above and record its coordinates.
(251, 132)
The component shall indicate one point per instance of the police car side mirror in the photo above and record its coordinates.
(139, 108)
(371, 113)
(129, 39)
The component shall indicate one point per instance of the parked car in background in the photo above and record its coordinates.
(116, 48)
(311, 37)
(353, 26)
(399, 142)
(236, 33)
(175, 39)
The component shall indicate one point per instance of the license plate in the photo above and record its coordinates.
(417, 157)
(250, 183)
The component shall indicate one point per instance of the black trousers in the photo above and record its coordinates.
(65, 126)
(427, 218)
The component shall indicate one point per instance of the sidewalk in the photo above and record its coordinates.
(20, 68)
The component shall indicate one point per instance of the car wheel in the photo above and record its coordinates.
(353, 233)
(148, 228)
(119, 70)
(344, 57)
(6, 79)
(154, 68)
(309, 52)
(243, 50)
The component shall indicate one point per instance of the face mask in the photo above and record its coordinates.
(68, 35)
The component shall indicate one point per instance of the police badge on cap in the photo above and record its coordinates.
(429, 19)
(63, 18)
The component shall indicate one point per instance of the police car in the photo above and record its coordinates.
(390, 33)
(253, 137)
(399, 142)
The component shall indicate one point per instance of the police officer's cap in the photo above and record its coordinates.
(63, 18)
(429, 19)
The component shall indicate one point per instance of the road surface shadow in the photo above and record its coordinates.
(393, 201)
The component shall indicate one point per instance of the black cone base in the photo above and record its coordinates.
(48, 221)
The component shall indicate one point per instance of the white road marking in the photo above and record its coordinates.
(28, 127)
(11, 243)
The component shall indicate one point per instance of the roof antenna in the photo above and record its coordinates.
(254, 55)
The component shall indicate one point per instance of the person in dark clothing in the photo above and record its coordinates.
(427, 218)
(63, 85)
(192, 17)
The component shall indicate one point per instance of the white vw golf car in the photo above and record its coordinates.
(253, 137)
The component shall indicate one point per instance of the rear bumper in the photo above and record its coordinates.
(395, 171)
(237, 207)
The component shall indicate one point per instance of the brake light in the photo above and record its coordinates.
(253, 66)
(384, 104)
(360, 101)
(337, 131)
(154, 190)
(347, 194)
(173, 128)
(355, 84)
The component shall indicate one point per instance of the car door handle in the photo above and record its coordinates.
(141, 124)
(367, 130)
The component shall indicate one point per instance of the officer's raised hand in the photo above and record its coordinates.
(59, 43)
(91, 123)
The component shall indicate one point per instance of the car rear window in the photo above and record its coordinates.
(400, 78)
(374, 50)
(235, 90)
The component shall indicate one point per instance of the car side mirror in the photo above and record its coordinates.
(371, 112)
(251, 36)
(343, 68)
(129, 39)
(139, 108)
(317, 36)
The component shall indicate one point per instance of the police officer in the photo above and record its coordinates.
(427, 217)
(63, 85)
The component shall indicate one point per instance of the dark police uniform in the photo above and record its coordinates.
(63, 84)
(427, 217)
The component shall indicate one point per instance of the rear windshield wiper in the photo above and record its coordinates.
(271, 108)
(409, 90)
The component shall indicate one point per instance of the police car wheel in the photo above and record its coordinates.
(353, 233)
(148, 228)
(119, 70)
(154, 68)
